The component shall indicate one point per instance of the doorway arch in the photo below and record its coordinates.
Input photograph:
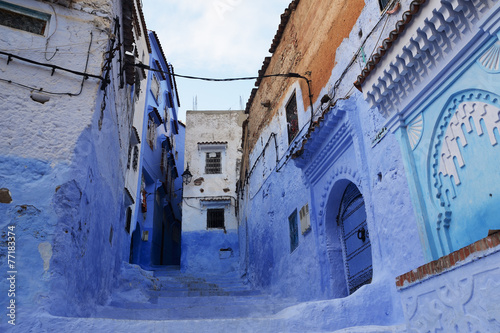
(348, 239)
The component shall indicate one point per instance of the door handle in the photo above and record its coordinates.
(362, 234)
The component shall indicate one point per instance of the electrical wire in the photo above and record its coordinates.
(48, 38)
(85, 77)
(59, 46)
(291, 148)
(54, 67)
(292, 75)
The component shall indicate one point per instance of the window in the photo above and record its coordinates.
(137, 84)
(129, 160)
(167, 120)
(151, 135)
(135, 161)
(155, 87)
(214, 154)
(213, 163)
(292, 120)
(215, 218)
(294, 231)
(383, 3)
(172, 142)
(164, 162)
(22, 18)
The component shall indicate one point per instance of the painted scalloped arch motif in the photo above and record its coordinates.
(414, 130)
(474, 107)
(338, 174)
(490, 60)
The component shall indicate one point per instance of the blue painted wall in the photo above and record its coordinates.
(73, 207)
(201, 252)
(337, 153)
(455, 215)
(161, 216)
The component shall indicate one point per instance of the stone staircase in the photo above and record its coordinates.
(166, 300)
(177, 296)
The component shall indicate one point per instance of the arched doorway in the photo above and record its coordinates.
(348, 241)
(355, 240)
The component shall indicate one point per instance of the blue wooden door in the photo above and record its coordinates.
(355, 239)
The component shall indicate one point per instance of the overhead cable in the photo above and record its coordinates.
(54, 67)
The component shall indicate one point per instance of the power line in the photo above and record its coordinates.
(296, 75)
(85, 77)
(11, 56)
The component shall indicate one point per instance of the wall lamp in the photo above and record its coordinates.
(187, 176)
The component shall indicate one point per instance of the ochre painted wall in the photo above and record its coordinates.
(308, 44)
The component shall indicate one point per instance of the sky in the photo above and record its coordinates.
(218, 39)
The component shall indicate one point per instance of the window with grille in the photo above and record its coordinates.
(135, 161)
(129, 160)
(22, 18)
(167, 120)
(164, 161)
(292, 119)
(213, 163)
(383, 3)
(155, 87)
(215, 218)
(151, 135)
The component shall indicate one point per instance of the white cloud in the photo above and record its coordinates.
(215, 34)
(217, 38)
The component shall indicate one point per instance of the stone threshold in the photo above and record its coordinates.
(481, 248)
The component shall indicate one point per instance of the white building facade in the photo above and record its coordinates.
(210, 227)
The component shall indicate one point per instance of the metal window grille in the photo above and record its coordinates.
(213, 163)
(215, 218)
(151, 135)
(135, 161)
(292, 119)
(155, 87)
(137, 84)
(129, 160)
(164, 161)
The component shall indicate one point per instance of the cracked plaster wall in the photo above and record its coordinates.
(63, 170)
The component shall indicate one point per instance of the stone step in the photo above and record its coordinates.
(256, 300)
(165, 302)
(209, 278)
(201, 286)
(204, 292)
(191, 311)
(48, 323)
